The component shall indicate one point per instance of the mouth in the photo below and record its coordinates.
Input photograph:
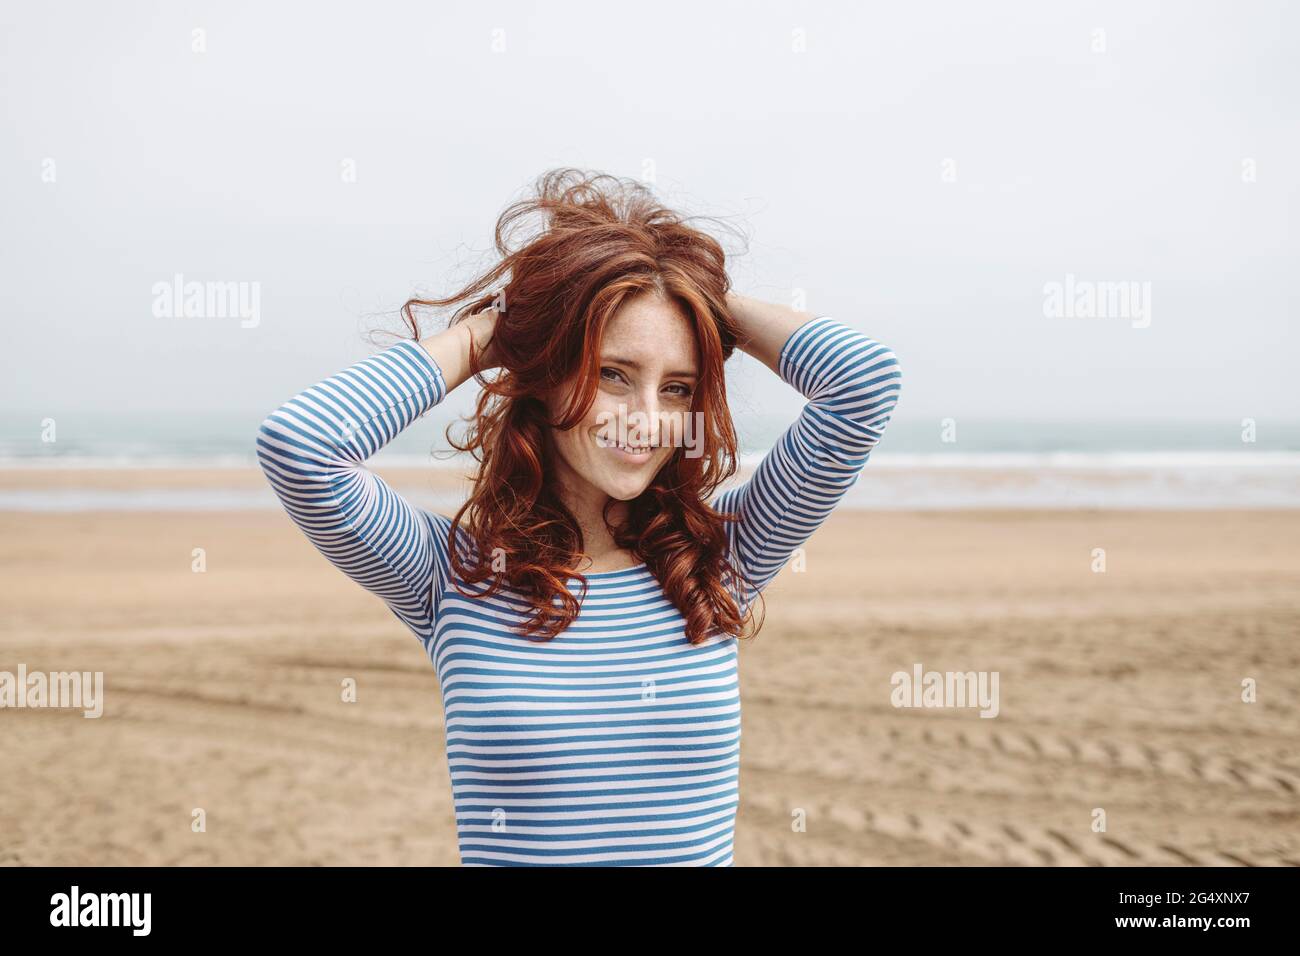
(632, 453)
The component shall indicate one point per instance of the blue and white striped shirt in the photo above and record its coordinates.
(618, 741)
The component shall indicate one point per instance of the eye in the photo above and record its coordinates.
(683, 391)
(612, 371)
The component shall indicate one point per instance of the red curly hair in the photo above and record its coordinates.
(602, 242)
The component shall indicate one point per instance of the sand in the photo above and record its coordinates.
(1120, 692)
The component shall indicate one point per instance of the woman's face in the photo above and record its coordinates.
(649, 367)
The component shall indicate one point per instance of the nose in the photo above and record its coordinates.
(647, 424)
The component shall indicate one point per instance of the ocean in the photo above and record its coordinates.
(988, 464)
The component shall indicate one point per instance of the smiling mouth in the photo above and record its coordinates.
(634, 452)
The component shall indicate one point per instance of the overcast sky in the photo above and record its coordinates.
(922, 171)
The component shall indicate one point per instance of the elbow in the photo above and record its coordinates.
(882, 389)
(285, 463)
(884, 381)
(882, 366)
(279, 445)
(266, 443)
(298, 456)
(866, 403)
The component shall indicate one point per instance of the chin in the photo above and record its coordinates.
(626, 492)
(623, 484)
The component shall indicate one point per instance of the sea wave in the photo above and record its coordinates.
(1016, 461)
(1124, 480)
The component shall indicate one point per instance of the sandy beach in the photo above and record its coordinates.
(1120, 692)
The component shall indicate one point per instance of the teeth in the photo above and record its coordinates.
(634, 449)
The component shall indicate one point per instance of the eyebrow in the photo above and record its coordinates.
(637, 365)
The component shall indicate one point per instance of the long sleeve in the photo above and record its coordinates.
(312, 450)
(852, 384)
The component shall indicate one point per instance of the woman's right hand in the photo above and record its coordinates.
(481, 327)
(466, 348)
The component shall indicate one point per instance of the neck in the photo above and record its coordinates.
(589, 510)
(587, 505)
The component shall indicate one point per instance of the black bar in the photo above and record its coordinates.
(242, 905)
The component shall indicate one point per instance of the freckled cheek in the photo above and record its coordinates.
(602, 420)
(574, 445)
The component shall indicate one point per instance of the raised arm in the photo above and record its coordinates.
(851, 383)
(312, 450)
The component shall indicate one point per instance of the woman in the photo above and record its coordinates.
(582, 609)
